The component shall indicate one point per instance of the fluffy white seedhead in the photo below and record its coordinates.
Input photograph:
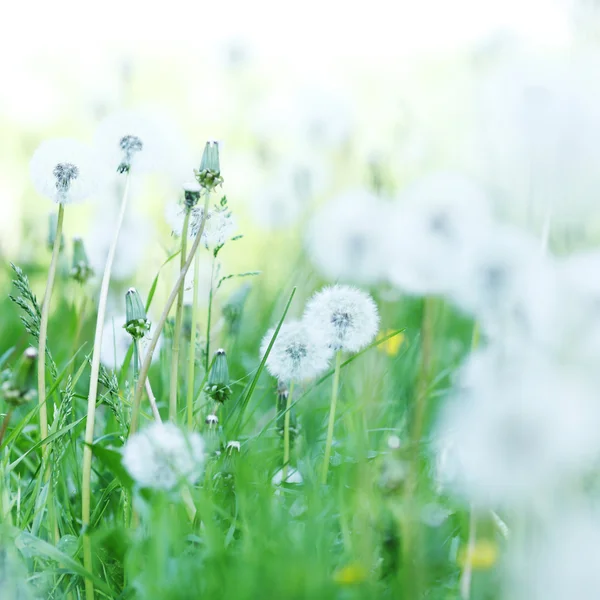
(128, 139)
(517, 431)
(435, 226)
(344, 239)
(508, 286)
(298, 353)
(346, 316)
(563, 564)
(64, 170)
(162, 455)
(220, 224)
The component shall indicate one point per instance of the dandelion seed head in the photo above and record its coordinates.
(129, 139)
(162, 455)
(344, 238)
(346, 316)
(519, 433)
(64, 170)
(298, 353)
(562, 565)
(431, 230)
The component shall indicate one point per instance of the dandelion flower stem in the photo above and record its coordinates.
(209, 316)
(286, 434)
(174, 380)
(44, 326)
(467, 574)
(93, 393)
(332, 407)
(192, 350)
(161, 323)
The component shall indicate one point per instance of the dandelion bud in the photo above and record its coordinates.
(81, 269)
(21, 386)
(218, 378)
(137, 324)
(52, 224)
(209, 173)
(191, 191)
(212, 420)
(234, 307)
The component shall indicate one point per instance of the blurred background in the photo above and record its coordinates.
(308, 101)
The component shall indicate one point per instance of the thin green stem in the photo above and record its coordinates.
(137, 398)
(80, 319)
(467, 574)
(174, 379)
(192, 351)
(208, 318)
(286, 434)
(92, 395)
(332, 407)
(136, 362)
(44, 325)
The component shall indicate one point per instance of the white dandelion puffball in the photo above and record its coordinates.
(432, 229)
(520, 434)
(563, 565)
(129, 139)
(345, 315)
(344, 238)
(64, 170)
(220, 225)
(298, 353)
(162, 455)
(293, 476)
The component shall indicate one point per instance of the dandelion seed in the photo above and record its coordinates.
(162, 455)
(298, 353)
(344, 239)
(345, 315)
(233, 445)
(64, 170)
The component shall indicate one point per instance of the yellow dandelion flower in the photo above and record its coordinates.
(392, 345)
(484, 555)
(350, 574)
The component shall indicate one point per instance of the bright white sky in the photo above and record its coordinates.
(305, 30)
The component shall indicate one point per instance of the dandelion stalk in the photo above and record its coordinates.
(332, 408)
(44, 325)
(209, 316)
(92, 395)
(286, 433)
(161, 323)
(192, 351)
(174, 380)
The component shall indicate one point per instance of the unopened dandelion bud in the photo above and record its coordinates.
(52, 223)
(137, 324)
(191, 191)
(20, 386)
(81, 269)
(212, 420)
(218, 378)
(209, 173)
(234, 307)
